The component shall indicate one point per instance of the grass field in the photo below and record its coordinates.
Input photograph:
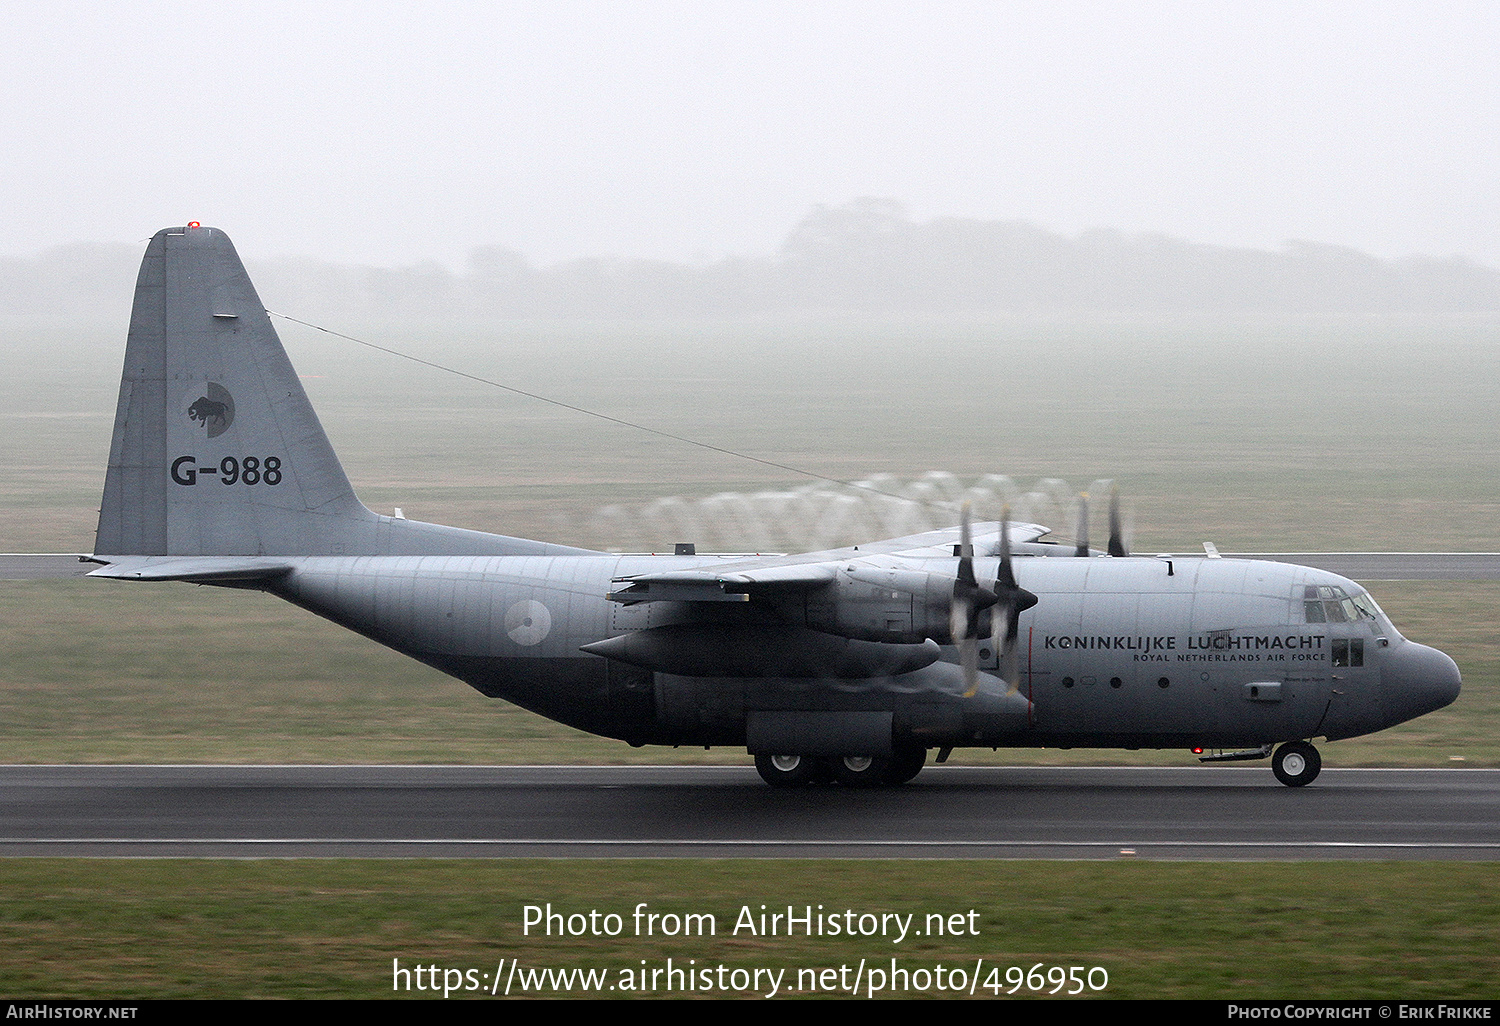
(1257, 434)
(308, 928)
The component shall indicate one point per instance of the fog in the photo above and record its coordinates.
(866, 257)
(391, 134)
(1070, 241)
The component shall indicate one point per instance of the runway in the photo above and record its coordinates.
(31, 566)
(1358, 566)
(1391, 566)
(1217, 813)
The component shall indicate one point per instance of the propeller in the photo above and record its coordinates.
(1011, 600)
(1117, 546)
(1081, 535)
(1116, 535)
(969, 600)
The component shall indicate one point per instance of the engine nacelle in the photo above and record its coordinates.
(761, 650)
(892, 605)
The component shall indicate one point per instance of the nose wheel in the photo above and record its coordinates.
(1296, 763)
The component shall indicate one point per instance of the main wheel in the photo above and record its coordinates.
(787, 770)
(906, 763)
(1296, 763)
(861, 770)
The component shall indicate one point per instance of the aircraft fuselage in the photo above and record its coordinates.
(1136, 652)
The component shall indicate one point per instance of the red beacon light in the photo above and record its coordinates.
(194, 224)
(1197, 751)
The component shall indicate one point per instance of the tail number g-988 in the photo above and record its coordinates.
(251, 470)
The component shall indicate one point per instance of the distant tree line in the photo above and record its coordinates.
(866, 256)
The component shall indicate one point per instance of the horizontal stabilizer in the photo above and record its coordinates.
(199, 569)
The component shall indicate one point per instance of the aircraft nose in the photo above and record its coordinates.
(1417, 680)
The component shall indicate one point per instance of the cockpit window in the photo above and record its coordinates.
(1329, 603)
(1366, 605)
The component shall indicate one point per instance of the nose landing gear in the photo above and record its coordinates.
(1296, 763)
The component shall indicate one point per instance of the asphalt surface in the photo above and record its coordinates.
(1194, 812)
(1359, 566)
(28, 566)
(1392, 566)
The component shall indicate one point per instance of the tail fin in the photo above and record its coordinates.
(216, 449)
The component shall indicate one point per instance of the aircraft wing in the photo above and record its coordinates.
(940, 543)
(735, 581)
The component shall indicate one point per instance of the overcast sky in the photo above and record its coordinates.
(391, 133)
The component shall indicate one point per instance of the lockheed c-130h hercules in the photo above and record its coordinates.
(849, 664)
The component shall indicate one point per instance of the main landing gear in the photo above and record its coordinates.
(1296, 763)
(849, 770)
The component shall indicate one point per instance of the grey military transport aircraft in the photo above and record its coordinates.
(848, 665)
